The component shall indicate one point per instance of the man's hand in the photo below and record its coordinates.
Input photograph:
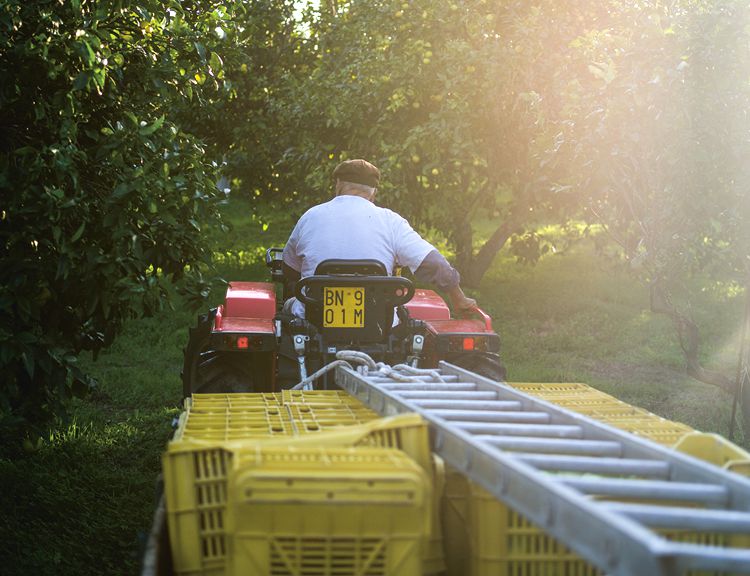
(460, 302)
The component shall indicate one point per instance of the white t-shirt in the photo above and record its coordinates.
(352, 227)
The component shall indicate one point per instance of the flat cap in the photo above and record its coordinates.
(358, 171)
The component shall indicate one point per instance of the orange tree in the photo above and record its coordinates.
(656, 135)
(455, 101)
(106, 177)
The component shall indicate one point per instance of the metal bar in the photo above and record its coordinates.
(729, 521)
(424, 377)
(450, 387)
(707, 494)
(593, 465)
(449, 395)
(459, 416)
(536, 430)
(477, 405)
(555, 445)
(694, 557)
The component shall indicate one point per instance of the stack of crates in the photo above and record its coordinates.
(483, 537)
(605, 408)
(300, 483)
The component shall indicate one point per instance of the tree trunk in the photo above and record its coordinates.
(472, 275)
(463, 237)
(742, 380)
(689, 338)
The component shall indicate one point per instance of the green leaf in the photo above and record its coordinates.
(79, 232)
(82, 80)
(201, 49)
(216, 63)
(132, 117)
(28, 362)
(121, 190)
(148, 130)
(88, 53)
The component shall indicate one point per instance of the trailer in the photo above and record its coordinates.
(400, 449)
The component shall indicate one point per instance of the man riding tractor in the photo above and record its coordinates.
(351, 226)
(340, 295)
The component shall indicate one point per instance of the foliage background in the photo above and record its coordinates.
(605, 141)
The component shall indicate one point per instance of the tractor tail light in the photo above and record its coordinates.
(468, 344)
(243, 342)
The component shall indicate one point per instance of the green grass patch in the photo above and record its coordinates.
(83, 502)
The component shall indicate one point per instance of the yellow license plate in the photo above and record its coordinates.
(343, 307)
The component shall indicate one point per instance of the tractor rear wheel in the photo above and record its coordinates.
(206, 370)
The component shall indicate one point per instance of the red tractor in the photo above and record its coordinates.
(249, 345)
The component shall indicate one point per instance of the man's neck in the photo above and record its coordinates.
(358, 194)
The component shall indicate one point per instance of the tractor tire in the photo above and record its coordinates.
(487, 366)
(206, 370)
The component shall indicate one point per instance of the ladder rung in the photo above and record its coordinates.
(460, 417)
(478, 405)
(425, 377)
(714, 559)
(556, 445)
(536, 430)
(684, 518)
(709, 494)
(593, 465)
(449, 395)
(398, 387)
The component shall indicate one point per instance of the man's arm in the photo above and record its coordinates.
(436, 270)
(291, 277)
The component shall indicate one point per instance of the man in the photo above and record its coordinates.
(351, 226)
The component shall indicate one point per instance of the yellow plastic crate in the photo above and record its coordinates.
(483, 537)
(504, 543)
(454, 511)
(196, 473)
(225, 419)
(318, 397)
(539, 388)
(316, 417)
(230, 423)
(326, 511)
(195, 488)
(714, 449)
(408, 433)
(653, 428)
(231, 417)
(434, 556)
(607, 412)
(501, 542)
(588, 401)
(231, 401)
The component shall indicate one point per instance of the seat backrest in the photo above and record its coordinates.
(340, 266)
(352, 301)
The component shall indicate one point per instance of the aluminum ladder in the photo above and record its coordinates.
(566, 472)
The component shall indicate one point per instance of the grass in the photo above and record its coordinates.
(82, 503)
